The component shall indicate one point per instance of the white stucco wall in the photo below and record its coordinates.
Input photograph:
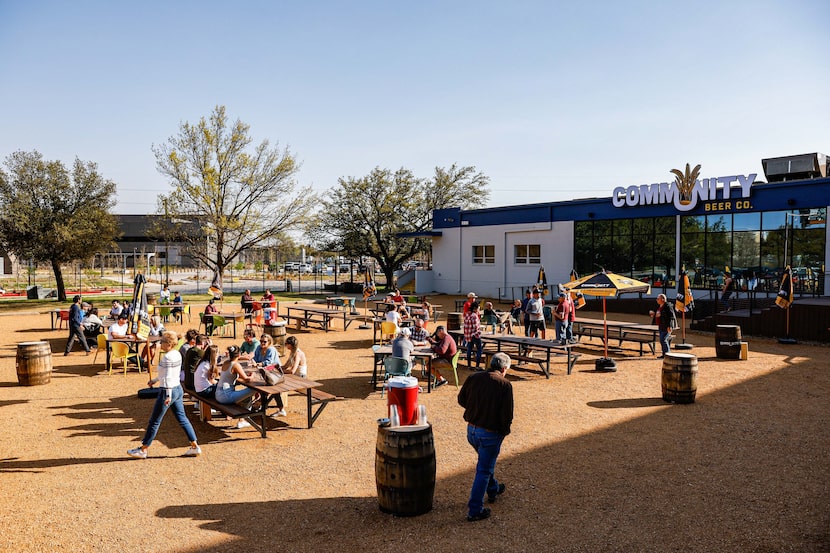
(452, 257)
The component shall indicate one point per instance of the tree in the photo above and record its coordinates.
(365, 216)
(241, 197)
(48, 215)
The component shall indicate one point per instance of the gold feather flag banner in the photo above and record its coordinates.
(785, 294)
(542, 282)
(368, 285)
(685, 301)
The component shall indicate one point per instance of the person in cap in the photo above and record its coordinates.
(402, 346)
(471, 297)
(120, 328)
(536, 313)
(76, 328)
(487, 399)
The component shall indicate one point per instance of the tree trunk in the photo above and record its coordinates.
(389, 273)
(56, 268)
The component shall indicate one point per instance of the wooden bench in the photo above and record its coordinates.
(232, 410)
(321, 398)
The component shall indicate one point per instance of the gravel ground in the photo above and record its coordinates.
(596, 462)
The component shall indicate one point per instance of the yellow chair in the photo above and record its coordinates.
(122, 351)
(388, 330)
(186, 311)
(102, 346)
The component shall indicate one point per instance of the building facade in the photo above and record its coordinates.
(650, 232)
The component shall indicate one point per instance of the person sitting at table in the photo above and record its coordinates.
(268, 355)
(296, 362)
(207, 373)
(116, 309)
(445, 349)
(489, 316)
(156, 329)
(177, 306)
(191, 358)
(402, 346)
(426, 312)
(247, 302)
(398, 298)
(210, 310)
(392, 316)
(226, 391)
(119, 328)
(249, 346)
(509, 318)
(267, 296)
(419, 333)
(92, 323)
(164, 295)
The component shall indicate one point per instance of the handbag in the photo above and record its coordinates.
(272, 377)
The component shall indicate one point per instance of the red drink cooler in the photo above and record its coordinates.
(403, 392)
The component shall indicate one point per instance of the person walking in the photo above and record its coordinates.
(665, 320)
(169, 397)
(76, 327)
(487, 399)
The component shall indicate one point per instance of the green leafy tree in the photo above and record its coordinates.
(240, 196)
(364, 216)
(48, 214)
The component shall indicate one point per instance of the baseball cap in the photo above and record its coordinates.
(405, 332)
(536, 291)
(471, 295)
(562, 294)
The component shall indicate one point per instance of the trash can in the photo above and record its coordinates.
(405, 469)
(403, 392)
(33, 292)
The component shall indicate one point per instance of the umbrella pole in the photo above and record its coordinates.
(365, 325)
(787, 339)
(605, 326)
(684, 345)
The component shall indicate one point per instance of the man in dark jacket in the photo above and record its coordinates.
(487, 399)
(665, 320)
(76, 329)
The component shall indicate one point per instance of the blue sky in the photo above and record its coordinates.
(552, 100)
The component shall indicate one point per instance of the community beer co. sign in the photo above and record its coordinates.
(722, 193)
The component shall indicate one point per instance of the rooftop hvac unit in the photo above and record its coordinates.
(798, 167)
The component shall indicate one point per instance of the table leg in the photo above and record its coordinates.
(308, 407)
(547, 364)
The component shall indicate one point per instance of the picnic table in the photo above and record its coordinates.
(525, 346)
(227, 317)
(55, 316)
(642, 334)
(308, 314)
(292, 383)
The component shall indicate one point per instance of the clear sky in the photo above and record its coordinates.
(553, 100)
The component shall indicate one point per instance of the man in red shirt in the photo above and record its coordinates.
(444, 347)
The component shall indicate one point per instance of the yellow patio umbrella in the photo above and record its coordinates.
(606, 284)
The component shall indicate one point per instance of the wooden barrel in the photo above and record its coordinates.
(728, 341)
(455, 321)
(34, 363)
(679, 382)
(278, 333)
(405, 469)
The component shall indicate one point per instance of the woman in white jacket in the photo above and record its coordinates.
(170, 397)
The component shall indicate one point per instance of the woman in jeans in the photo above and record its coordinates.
(226, 391)
(169, 397)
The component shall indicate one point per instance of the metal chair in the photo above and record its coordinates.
(122, 350)
(395, 366)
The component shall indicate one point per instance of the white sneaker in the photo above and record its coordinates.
(193, 451)
(282, 413)
(243, 424)
(138, 453)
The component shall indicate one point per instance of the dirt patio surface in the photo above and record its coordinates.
(596, 462)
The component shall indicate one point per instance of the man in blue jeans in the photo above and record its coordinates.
(487, 399)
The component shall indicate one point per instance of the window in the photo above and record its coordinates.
(484, 255)
(528, 254)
